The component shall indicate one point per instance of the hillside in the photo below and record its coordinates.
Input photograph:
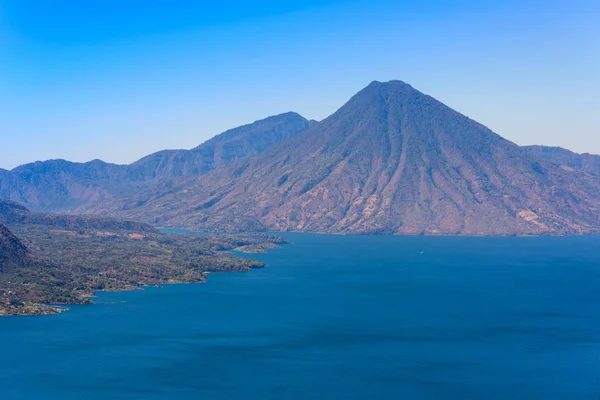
(232, 145)
(12, 252)
(21, 275)
(392, 160)
(589, 163)
(59, 185)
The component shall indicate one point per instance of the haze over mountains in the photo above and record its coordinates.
(589, 163)
(392, 160)
(59, 185)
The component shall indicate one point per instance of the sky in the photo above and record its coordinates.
(117, 80)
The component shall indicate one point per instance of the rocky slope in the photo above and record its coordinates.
(59, 185)
(392, 160)
(567, 159)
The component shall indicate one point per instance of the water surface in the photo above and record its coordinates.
(355, 317)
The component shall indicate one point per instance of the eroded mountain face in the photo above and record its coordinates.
(392, 160)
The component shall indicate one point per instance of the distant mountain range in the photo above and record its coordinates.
(390, 161)
(59, 185)
(589, 163)
(12, 213)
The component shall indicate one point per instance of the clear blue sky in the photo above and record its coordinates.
(116, 80)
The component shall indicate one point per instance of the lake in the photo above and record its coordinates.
(353, 317)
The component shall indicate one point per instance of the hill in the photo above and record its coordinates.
(392, 160)
(23, 276)
(12, 252)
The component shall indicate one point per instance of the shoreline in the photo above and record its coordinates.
(503, 235)
(40, 310)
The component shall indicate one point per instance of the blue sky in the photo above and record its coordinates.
(117, 80)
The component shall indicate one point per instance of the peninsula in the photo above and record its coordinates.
(52, 259)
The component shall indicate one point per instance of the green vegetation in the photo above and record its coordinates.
(66, 266)
(256, 248)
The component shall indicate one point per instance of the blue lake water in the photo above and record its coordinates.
(353, 317)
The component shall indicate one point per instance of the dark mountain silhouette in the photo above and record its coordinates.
(567, 159)
(59, 185)
(391, 160)
(13, 253)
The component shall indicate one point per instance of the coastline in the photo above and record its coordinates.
(37, 310)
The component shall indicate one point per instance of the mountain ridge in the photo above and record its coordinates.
(391, 160)
(586, 162)
(12, 213)
(60, 185)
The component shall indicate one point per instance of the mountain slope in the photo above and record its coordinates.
(12, 252)
(589, 163)
(59, 185)
(232, 145)
(392, 160)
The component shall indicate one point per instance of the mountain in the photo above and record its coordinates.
(59, 185)
(393, 161)
(567, 159)
(232, 145)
